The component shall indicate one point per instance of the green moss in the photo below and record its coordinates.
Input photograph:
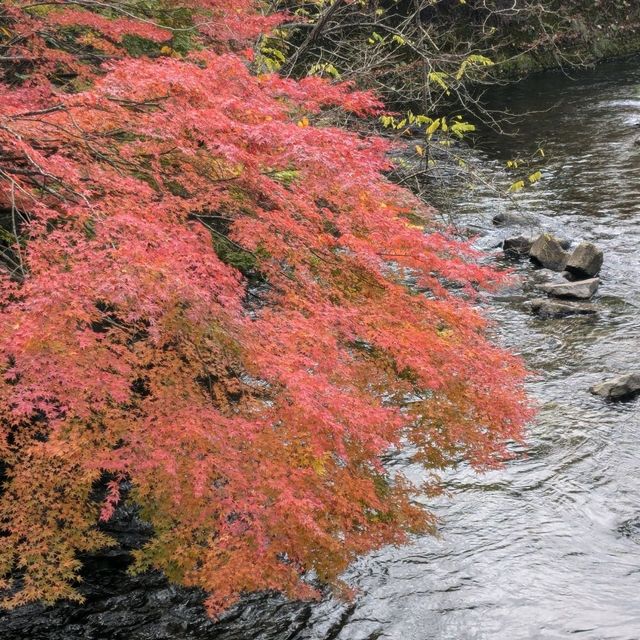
(586, 33)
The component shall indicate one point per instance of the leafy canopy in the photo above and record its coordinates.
(214, 303)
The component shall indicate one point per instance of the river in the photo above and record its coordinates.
(549, 546)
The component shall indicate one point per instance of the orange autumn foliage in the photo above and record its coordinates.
(230, 315)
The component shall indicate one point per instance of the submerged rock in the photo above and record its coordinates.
(585, 261)
(518, 245)
(547, 251)
(581, 289)
(546, 308)
(631, 529)
(620, 388)
(505, 219)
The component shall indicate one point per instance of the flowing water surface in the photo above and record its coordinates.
(549, 546)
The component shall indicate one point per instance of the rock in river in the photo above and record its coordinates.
(505, 219)
(546, 308)
(619, 388)
(581, 290)
(548, 252)
(518, 245)
(585, 261)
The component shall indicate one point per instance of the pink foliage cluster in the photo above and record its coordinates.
(209, 309)
(115, 29)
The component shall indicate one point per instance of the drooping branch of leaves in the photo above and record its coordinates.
(148, 185)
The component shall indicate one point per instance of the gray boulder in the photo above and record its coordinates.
(548, 252)
(546, 308)
(620, 388)
(585, 261)
(581, 290)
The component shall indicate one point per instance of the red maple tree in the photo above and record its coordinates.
(220, 304)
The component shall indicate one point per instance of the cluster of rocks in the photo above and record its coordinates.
(574, 280)
(577, 281)
(578, 271)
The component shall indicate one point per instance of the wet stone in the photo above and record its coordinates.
(547, 276)
(514, 220)
(581, 290)
(548, 252)
(547, 308)
(620, 388)
(585, 261)
(518, 245)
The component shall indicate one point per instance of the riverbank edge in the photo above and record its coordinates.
(594, 47)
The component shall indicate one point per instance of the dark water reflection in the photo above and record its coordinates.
(547, 547)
